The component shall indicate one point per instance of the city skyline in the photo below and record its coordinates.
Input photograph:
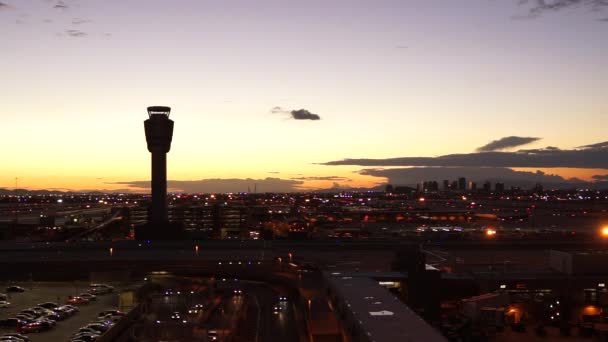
(280, 94)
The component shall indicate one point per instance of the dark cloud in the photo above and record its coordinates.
(275, 172)
(299, 114)
(595, 146)
(322, 178)
(524, 179)
(4, 5)
(506, 143)
(61, 5)
(593, 156)
(80, 21)
(303, 114)
(222, 185)
(76, 33)
(600, 178)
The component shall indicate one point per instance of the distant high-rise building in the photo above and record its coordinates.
(487, 186)
(430, 186)
(472, 186)
(389, 188)
(454, 185)
(462, 183)
(499, 187)
(446, 184)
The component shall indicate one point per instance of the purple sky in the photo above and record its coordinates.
(389, 79)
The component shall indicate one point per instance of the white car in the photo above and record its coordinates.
(4, 304)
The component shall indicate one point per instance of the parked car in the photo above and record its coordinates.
(84, 337)
(88, 331)
(15, 288)
(32, 327)
(4, 304)
(11, 339)
(12, 322)
(46, 323)
(66, 310)
(111, 312)
(26, 317)
(96, 326)
(72, 307)
(100, 289)
(89, 296)
(30, 312)
(23, 337)
(49, 305)
(55, 316)
(41, 311)
(77, 300)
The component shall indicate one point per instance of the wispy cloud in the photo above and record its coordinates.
(299, 114)
(61, 5)
(322, 178)
(76, 33)
(538, 6)
(4, 5)
(506, 143)
(220, 185)
(80, 21)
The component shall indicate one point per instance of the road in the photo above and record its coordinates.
(271, 326)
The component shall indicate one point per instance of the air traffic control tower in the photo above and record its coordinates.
(159, 133)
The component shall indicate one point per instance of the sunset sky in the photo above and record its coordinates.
(389, 79)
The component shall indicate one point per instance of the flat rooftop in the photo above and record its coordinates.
(380, 315)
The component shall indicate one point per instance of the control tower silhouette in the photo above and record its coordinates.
(159, 133)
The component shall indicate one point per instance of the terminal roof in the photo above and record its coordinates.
(382, 316)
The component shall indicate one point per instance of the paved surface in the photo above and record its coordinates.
(51, 292)
(272, 327)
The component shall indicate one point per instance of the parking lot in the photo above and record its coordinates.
(37, 292)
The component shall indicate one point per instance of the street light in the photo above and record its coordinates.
(605, 231)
